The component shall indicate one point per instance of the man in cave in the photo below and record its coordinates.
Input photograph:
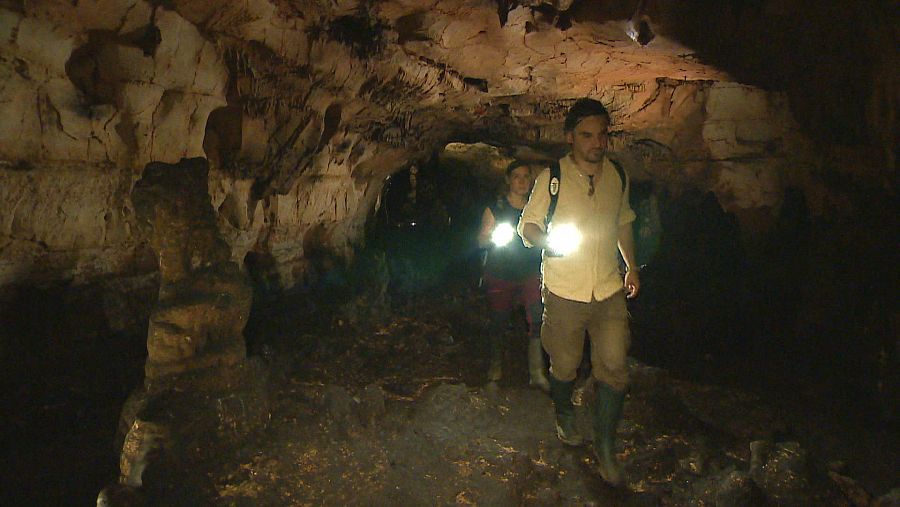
(579, 214)
(512, 274)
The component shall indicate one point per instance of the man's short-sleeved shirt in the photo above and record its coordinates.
(592, 270)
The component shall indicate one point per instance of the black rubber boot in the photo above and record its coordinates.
(561, 394)
(606, 412)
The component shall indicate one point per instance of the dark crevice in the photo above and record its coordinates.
(92, 76)
(478, 84)
(331, 122)
(362, 33)
(222, 140)
(411, 28)
(147, 38)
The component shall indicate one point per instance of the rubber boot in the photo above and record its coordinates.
(536, 365)
(495, 370)
(606, 412)
(561, 394)
(497, 331)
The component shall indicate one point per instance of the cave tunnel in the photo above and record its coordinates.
(246, 252)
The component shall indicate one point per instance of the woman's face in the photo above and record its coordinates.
(520, 180)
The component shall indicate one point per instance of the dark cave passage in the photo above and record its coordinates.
(65, 378)
(715, 307)
(713, 311)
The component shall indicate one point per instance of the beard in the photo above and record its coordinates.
(594, 156)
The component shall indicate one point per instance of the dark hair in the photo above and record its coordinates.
(515, 164)
(581, 109)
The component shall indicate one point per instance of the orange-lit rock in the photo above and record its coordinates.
(320, 103)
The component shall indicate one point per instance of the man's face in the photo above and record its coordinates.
(589, 139)
(520, 180)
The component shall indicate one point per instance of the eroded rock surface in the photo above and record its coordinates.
(199, 391)
(204, 298)
(304, 108)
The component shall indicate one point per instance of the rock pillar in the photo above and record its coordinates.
(204, 299)
(201, 395)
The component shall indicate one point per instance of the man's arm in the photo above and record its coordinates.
(626, 248)
(625, 238)
(534, 235)
(530, 223)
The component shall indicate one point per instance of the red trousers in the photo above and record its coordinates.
(504, 295)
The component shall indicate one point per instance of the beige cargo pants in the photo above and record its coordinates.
(606, 322)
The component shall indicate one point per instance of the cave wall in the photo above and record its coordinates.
(304, 108)
(87, 105)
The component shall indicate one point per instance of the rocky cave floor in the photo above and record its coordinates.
(399, 413)
(396, 411)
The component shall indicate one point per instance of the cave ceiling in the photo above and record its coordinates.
(408, 74)
(412, 75)
(425, 72)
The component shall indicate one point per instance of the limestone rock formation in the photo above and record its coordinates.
(196, 365)
(303, 108)
(204, 298)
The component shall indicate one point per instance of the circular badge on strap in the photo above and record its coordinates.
(554, 186)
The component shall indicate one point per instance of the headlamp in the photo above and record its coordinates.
(502, 234)
(563, 240)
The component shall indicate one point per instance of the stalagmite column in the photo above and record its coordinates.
(204, 299)
(201, 394)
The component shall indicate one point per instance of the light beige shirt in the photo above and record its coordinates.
(592, 270)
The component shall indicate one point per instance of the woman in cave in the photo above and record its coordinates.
(512, 274)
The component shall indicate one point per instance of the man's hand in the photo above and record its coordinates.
(562, 240)
(534, 236)
(632, 283)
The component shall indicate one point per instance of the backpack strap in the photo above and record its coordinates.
(553, 188)
(620, 171)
